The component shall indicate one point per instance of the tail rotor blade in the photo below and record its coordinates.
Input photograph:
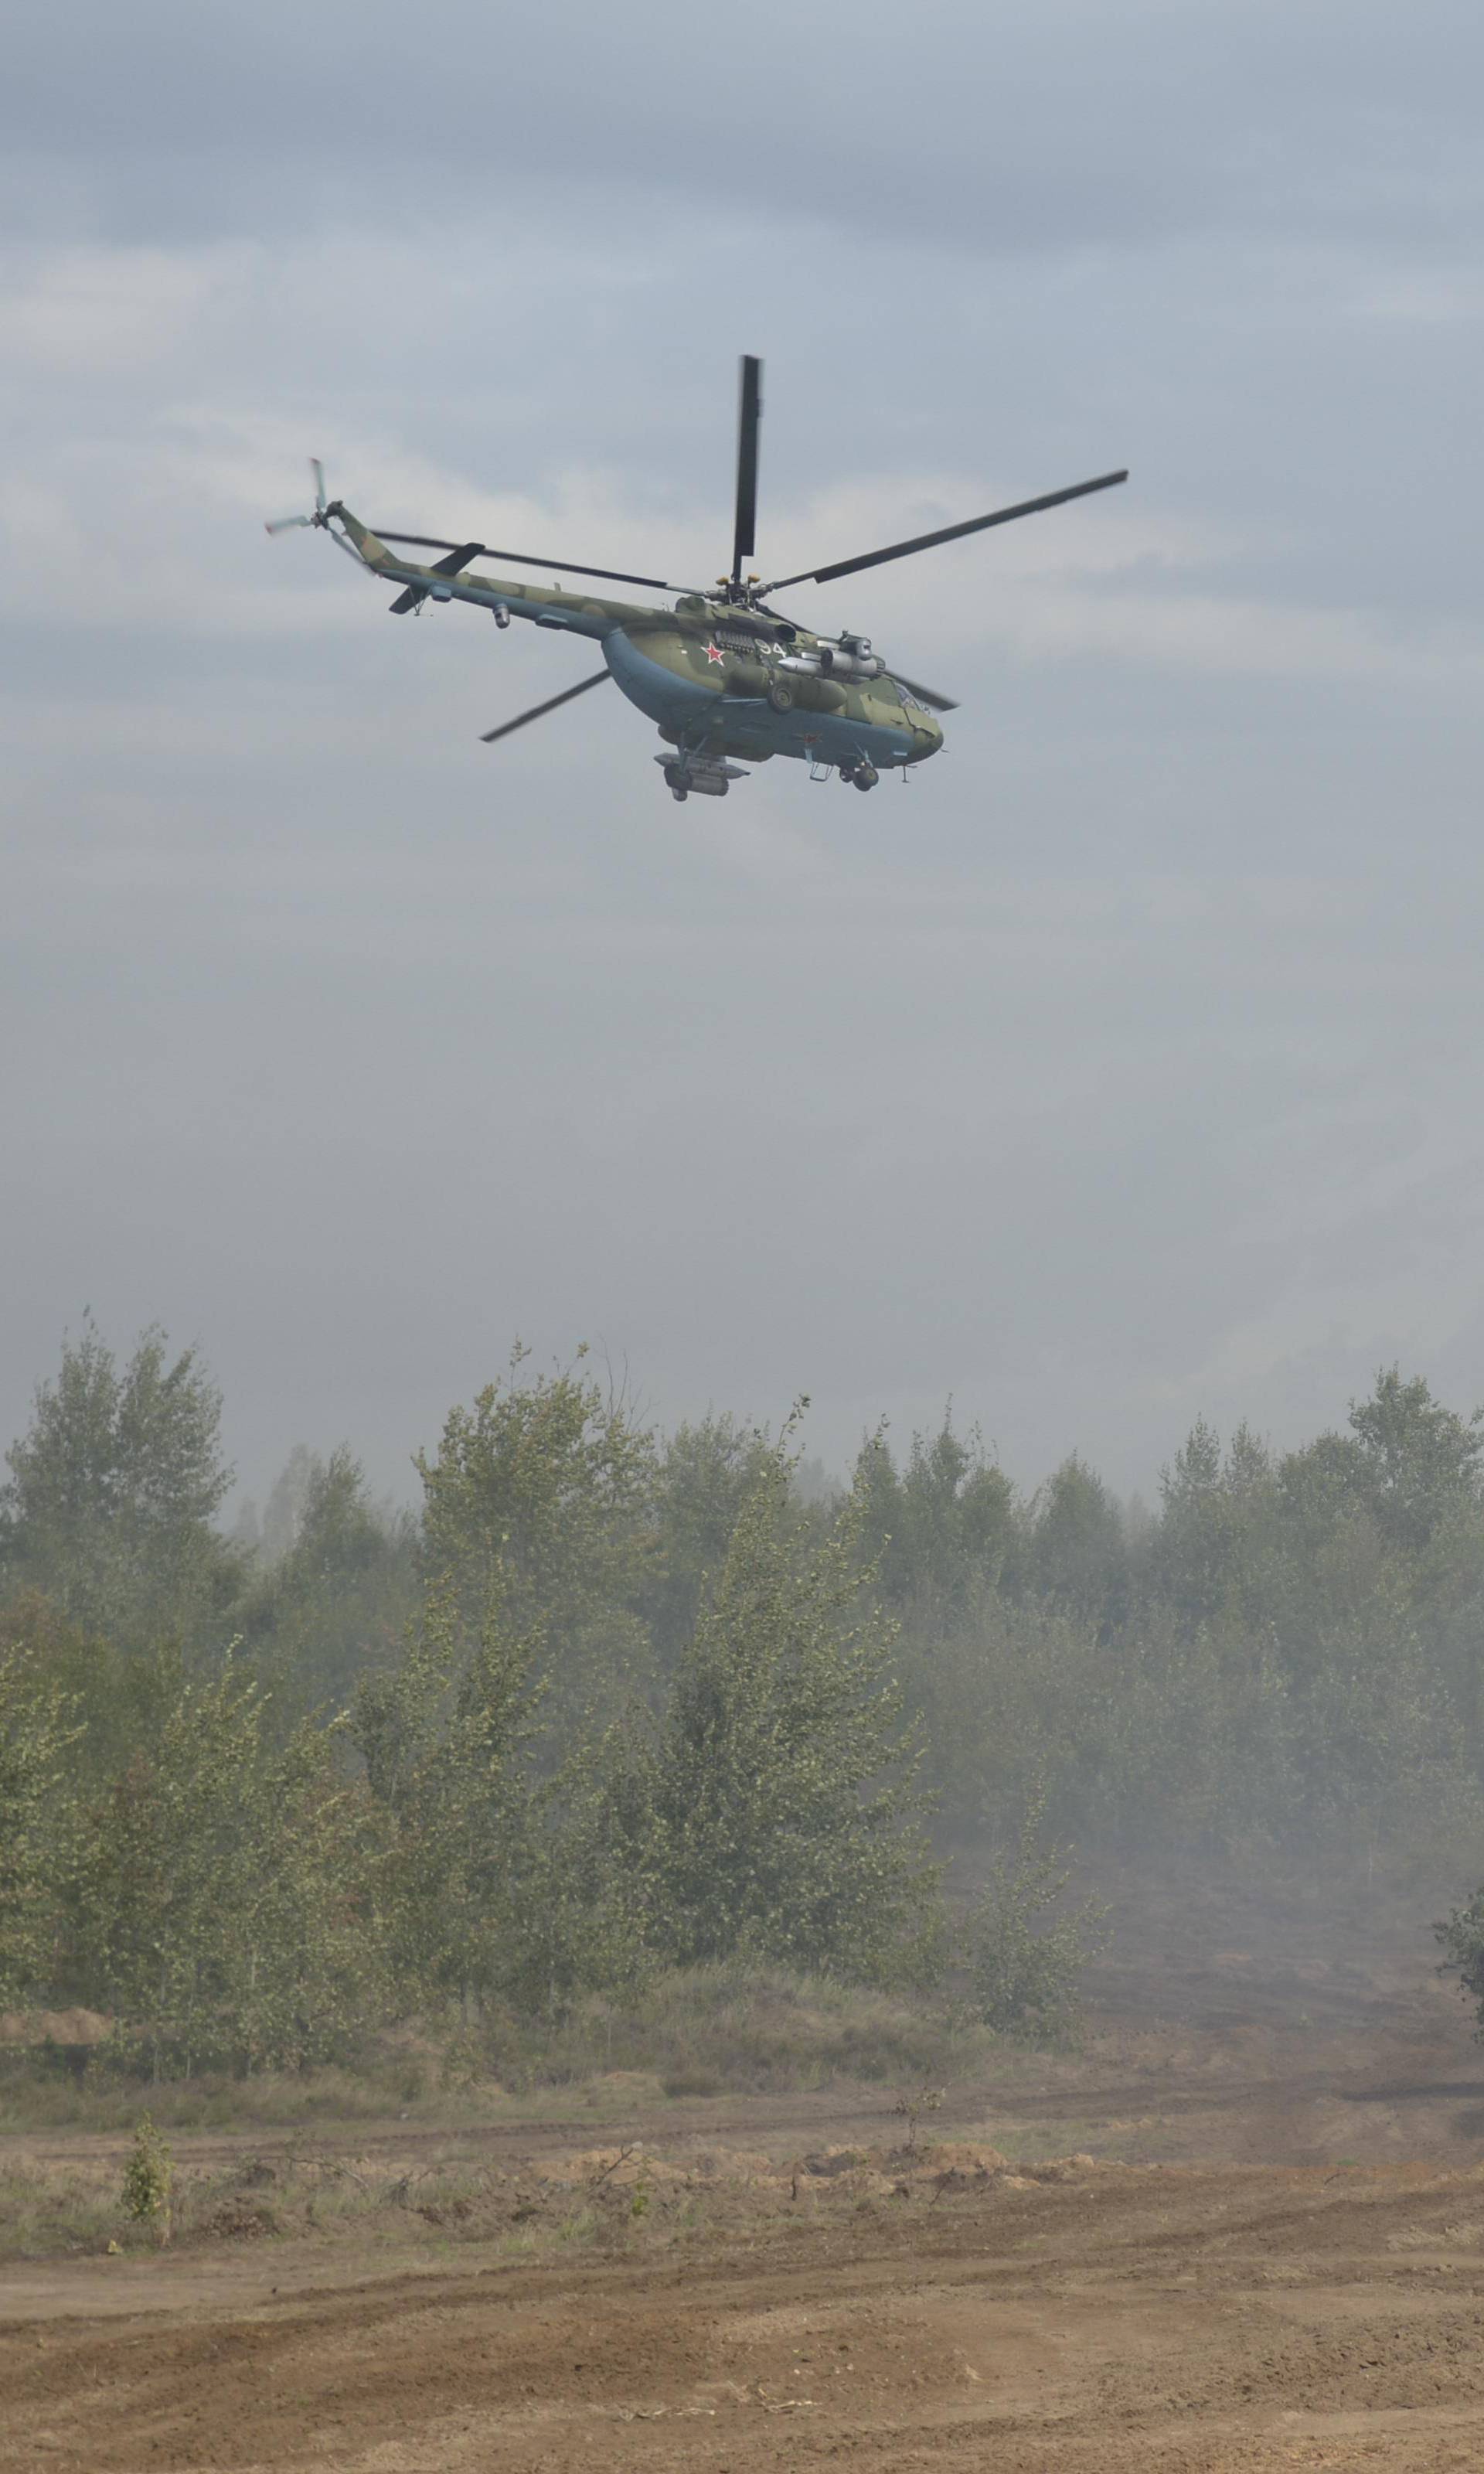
(535, 711)
(292, 524)
(748, 417)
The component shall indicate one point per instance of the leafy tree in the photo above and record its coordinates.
(114, 1491)
(1408, 1464)
(39, 1725)
(1025, 1950)
(115, 1695)
(283, 1514)
(227, 1912)
(942, 1527)
(1216, 1516)
(1318, 1486)
(338, 1601)
(782, 1793)
(1417, 1460)
(447, 1738)
(500, 1884)
(1077, 1555)
(540, 1496)
(704, 1475)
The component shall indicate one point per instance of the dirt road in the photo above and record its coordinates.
(1273, 2258)
(1120, 2319)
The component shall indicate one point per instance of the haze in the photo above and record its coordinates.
(1126, 1066)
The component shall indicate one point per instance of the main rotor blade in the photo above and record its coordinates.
(748, 415)
(929, 697)
(950, 532)
(522, 558)
(550, 706)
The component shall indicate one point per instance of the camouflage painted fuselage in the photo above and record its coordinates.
(703, 670)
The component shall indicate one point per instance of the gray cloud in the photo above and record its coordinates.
(983, 128)
(1124, 1066)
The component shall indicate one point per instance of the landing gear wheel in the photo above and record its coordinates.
(678, 790)
(867, 778)
(676, 782)
(847, 772)
(780, 696)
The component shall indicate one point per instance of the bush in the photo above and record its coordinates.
(1462, 1936)
(148, 2178)
(1024, 1951)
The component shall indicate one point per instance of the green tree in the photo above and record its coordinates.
(114, 1491)
(1209, 1548)
(283, 1512)
(1077, 1555)
(1417, 1460)
(227, 1909)
(447, 1736)
(39, 1725)
(940, 1528)
(782, 1791)
(1025, 1948)
(541, 1498)
(115, 1695)
(702, 1480)
(337, 1603)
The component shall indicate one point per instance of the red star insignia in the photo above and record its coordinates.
(714, 653)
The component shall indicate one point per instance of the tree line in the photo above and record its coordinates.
(612, 1700)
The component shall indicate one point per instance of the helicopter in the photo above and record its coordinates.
(722, 673)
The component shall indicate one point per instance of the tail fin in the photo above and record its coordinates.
(362, 540)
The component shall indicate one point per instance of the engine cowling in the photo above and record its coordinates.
(747, 678)
(811, 694)
(851, 660)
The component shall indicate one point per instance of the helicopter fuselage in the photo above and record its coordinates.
(719, 679)
(699, 701)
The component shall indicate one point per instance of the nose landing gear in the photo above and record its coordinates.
(864, 776)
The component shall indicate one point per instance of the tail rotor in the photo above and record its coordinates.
(321, 515)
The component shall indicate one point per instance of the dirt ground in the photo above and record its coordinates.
(1245, 2229)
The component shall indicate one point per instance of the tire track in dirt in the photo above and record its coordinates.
(1122, 2318)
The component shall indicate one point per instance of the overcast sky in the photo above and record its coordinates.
(1128, 1065)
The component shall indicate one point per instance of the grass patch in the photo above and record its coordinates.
(692, 2034)
(47, 2212)
(760, 2031)
(615, 2200)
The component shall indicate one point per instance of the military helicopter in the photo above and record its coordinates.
(722, 673)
